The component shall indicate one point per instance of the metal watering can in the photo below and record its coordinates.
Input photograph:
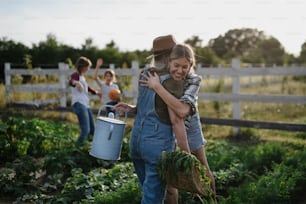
(108, 137)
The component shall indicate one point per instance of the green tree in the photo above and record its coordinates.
(269, 51)
(51, 52)
(194, 41)
(11, 51)
(128, 57)
(204, 55)
(88, 45)
(302, 57)
(236, 42)
(111, 44)
(46, 52)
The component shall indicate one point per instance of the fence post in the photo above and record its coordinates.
(62, 80)
(7, 77)
(236, 90)
(135, 77)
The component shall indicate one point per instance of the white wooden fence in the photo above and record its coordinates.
(234, 71)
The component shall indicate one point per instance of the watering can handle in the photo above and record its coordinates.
(110, 106)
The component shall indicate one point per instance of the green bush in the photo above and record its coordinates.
(20, 137)
(277, 186)
(41, 163)
(128, 193)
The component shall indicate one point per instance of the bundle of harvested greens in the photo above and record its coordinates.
(184, 171)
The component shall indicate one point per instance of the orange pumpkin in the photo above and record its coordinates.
(114, 94)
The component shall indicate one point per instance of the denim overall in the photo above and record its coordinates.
(149, 138)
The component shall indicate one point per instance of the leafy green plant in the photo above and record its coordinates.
(184, 171)
(32, 137)
(231, 176)
(81, 185)
(55, 170)
(128, 193)
(277, 186)
(260, 158)
(19, 177)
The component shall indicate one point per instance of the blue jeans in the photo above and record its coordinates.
(147, 144)
(86, 120)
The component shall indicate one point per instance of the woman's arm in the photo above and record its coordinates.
(181, 109)
(94, 92)
(179, 129)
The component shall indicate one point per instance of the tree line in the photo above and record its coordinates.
(248, 44)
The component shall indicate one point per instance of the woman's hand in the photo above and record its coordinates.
(99, 94)
(152, 80)
(79, 86)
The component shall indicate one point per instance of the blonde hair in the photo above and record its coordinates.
(81, 63)
(186, 51)
(110, 72)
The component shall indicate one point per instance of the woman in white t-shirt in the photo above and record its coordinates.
(80, 98)
(107, 85)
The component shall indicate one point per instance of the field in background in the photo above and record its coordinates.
(277, 112)
(256, 110)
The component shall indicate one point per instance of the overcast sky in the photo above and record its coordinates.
(132, 24)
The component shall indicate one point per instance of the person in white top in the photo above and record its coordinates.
(107, 86)
(80, 98)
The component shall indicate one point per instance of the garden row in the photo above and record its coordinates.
(40, 162)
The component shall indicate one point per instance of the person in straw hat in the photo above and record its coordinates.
(195, 136)
(150, 136)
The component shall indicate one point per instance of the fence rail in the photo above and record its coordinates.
(235, 72)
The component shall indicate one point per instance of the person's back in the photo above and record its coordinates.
(148, 139)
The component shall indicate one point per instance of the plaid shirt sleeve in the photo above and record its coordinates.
(192, 87)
